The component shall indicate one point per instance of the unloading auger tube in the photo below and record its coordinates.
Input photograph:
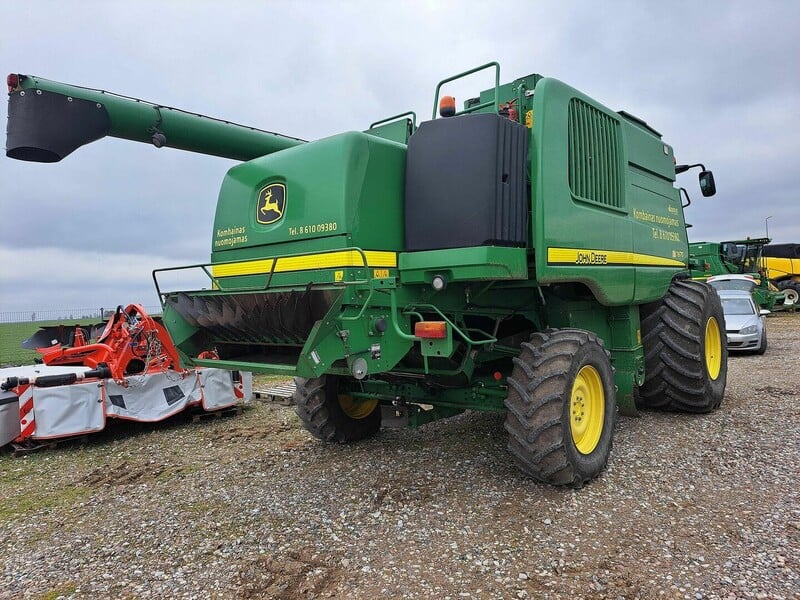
(48, 120)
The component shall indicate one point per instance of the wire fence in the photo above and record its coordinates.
(65, 314)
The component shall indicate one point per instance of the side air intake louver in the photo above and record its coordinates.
(594, 155)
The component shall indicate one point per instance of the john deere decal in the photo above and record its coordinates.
(271, 203)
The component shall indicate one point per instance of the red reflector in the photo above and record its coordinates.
(13, 81)
(498, 375)
(436, 330)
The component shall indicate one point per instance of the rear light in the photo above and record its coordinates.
(12, 81)
(432, 330)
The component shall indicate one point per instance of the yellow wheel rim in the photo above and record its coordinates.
(356, 410)
(713, 348)
(587, 409)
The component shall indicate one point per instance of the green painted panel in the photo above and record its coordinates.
(396, 131)
(349, 186)
(463, 264)
(647, 151)
(626, 248)
(618, 327)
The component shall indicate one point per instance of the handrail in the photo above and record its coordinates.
(411, 310)
(364, 307)
(496, 102)
(490, 338)
(392, 118)
(269, 274)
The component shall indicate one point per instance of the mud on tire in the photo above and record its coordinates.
(324, 411)
(546, 435)
(686, 356)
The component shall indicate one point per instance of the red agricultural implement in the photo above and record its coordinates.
(131, 371)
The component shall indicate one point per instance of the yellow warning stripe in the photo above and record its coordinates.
(599, 258)
(323, 260)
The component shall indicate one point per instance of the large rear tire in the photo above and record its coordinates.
(686, 355)
(561, 407)
(332, 416)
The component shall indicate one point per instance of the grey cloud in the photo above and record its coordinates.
(717, 78)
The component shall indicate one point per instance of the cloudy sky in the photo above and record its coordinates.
(718, 79)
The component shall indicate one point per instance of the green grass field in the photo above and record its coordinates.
(12, 335)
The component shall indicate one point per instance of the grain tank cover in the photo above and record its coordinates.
(466, 183)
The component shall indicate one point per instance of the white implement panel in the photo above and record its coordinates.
(46, 413)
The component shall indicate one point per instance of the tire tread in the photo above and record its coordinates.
(673, 338)
(538, 389)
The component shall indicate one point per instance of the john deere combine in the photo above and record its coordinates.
(742, 257)
(524, 254)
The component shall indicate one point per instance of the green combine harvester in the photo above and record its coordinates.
(526, 254)
(745, 257)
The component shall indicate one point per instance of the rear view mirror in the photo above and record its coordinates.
(707, 186)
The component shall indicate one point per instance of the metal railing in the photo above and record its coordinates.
(267, 272)
(64, 314)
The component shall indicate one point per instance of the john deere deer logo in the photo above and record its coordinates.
(271, 203)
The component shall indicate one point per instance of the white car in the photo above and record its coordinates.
(770, 298)
(745, 283)
(744, 322)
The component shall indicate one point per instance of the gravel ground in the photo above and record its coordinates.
(253, 507)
